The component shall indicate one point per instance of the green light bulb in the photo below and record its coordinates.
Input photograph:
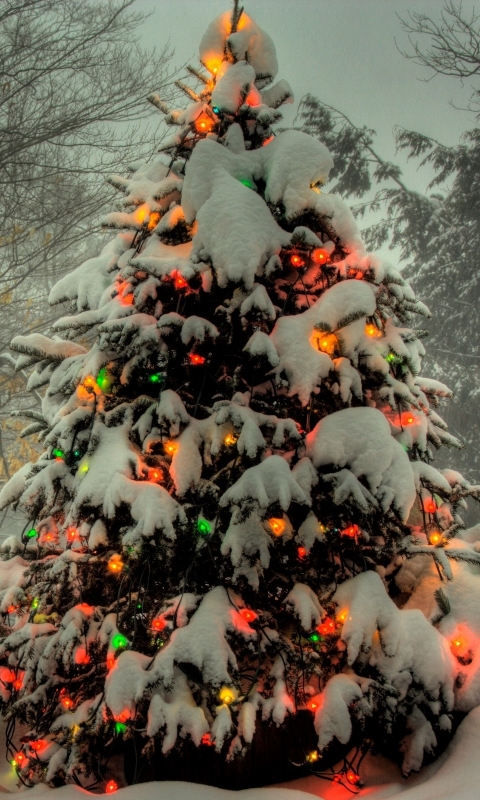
(119, 640)
(204, 527)
(103, 380)
(120, 728)
(35, 602)
(31, 533)
(248, 183)
(57, 453)
(391, 358)
(314, 637)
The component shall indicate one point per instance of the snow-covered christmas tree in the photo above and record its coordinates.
(235, 530)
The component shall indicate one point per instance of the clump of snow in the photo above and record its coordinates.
(249, 42)
(359, 439)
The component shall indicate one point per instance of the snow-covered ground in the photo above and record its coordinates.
(454, 776)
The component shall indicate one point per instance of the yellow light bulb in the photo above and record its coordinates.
(230, 439)
(435, 537)
(227, 695)
(313, 756)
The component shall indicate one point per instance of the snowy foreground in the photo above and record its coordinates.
(455, 776)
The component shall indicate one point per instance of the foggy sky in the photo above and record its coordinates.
(342, 51)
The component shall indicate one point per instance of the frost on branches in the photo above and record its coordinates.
(236, 518)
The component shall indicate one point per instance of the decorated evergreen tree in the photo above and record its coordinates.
(237, 544)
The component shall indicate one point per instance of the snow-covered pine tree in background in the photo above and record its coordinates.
(235, 524)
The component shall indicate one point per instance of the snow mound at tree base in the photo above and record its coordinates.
(455, 776)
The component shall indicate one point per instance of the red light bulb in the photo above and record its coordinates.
(18, 684)
(352, 531)
(430, 506)
(11, 610)
(180, 283)
(312, 705)
(297, 261)
(327, 627)
(111, 787)
(352, 777)
(302, 552)
(248, 615)
(196, 359)
(158, 624)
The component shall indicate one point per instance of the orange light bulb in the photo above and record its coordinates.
(312, 705)
(325, 342)
(277, 525)
(158, 624)
(320, 256)
(141, 214)
(435, 537)
(203, 123)
(115, 563)
(154, 220)
(230, 439)
(170, 447)
(372, 330)
(155, 474)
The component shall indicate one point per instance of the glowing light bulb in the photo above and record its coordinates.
(320, 256)
(120, 728)
(17, 684)
(352, 777)
(352, 531)
(11, 610)
(327, 627)
(342, 616)
(31, 533)
(277, 525)
(67, 702)
(19, 759)
(267, 141)
(180, 283)
(204, 527)
(170, 447)
(155, 474)
(435, 537)
(158, 624)
(373, 331)
(230, 439)
(141, 214)
(58, 454)
(248, 615)
(37, 745)
(49, 537)
(227, 695)
(325, 342)
(103, 381)
(111, 787)
(429, 506)
(302, 552)
(115, 563)
(203, 123)
(312, 705)
(72, 534)
(312, 756)
(207, 739)
(89, 382)
(154, 220)
(314, 637)
(297, 260)
(196, 359)
(458, 644)
(119, 640)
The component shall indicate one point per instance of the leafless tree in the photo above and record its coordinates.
(73, 87)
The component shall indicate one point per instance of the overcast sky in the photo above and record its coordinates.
(342, 51)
